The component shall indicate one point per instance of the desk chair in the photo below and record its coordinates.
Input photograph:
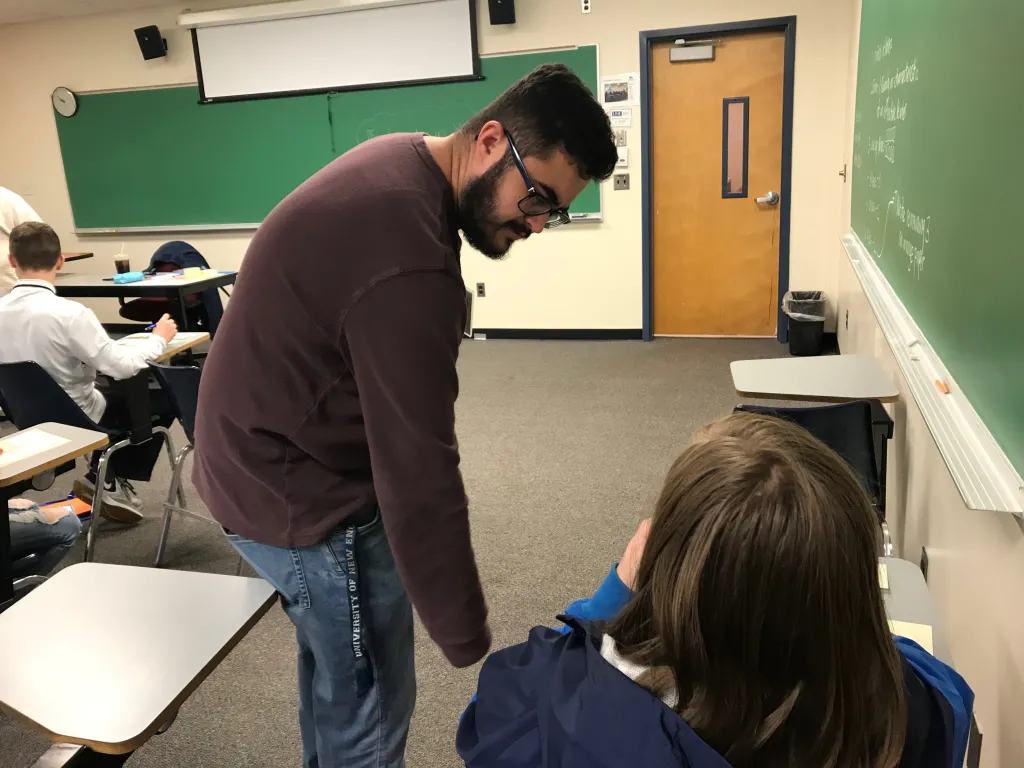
(32, 397)
(848, 429)
(181, 383)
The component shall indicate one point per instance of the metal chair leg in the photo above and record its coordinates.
(173, 492)
(97, 499)
(28, 581)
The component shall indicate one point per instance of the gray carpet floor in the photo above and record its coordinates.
(564, 448)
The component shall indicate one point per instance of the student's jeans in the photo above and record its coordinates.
(345, 718)
(48, 541)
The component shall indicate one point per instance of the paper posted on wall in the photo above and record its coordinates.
(621, 89)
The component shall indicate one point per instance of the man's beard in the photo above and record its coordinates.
(475, 211)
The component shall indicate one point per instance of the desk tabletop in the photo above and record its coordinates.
(908, 599)
(77, 286)
(173, 628)
(828, 378)
(30, 452)
(182, 340)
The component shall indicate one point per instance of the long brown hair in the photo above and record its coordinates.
(757, 600)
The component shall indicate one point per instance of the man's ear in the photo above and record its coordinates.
(491, 139)
(60, 262)
(11, 260)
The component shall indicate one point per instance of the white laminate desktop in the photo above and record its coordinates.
(63, 676)
(30, 452)
(828, 378)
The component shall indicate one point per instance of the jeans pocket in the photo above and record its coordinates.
(280, 566)
(303, 600)
(370, 525)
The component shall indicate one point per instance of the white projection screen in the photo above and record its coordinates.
(374, 46)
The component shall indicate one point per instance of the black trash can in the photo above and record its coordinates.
(806, 313)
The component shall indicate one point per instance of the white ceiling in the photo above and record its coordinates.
(18, 11)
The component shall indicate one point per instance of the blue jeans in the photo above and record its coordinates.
(48, 541)
(345, 718)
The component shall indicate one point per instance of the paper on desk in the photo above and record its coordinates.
(182, 337)
(883, 576)
(919, 633)
(26, 444)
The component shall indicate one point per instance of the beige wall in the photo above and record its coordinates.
(586, 276)
(975, 559)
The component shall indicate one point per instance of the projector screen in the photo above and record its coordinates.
(432, 40)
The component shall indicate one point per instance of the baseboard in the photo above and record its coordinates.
(561, 334)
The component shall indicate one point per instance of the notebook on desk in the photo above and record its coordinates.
(919, 633)
(180, 338)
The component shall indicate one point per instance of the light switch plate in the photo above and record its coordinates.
(620, 181)
(620, 137)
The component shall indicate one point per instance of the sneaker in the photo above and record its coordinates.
(120, 504)
(129, 492)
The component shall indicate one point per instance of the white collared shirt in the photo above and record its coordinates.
(13, 211)
(67, 340)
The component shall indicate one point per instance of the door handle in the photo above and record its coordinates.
(770, 199)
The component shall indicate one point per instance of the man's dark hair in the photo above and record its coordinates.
(35, 246)
(551, 109)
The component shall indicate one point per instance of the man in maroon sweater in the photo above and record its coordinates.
(325, 439)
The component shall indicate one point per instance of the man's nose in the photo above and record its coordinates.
(537, 223)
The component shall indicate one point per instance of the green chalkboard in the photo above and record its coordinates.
(158, 158)
(936, 179)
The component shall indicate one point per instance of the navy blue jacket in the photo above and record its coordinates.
(183, 255)
(553, 701)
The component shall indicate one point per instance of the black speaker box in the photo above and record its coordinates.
(502, 11)
(151, 42)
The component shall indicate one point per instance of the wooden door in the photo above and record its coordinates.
(715, 249)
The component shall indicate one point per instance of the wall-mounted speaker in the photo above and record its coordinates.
(502, 11)
(151, 42)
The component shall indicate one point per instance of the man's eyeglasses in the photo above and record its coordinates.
(536, 203)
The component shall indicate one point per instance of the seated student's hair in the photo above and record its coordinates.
(35, 246)
(757, 601)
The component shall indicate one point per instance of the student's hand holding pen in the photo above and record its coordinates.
(165, 328)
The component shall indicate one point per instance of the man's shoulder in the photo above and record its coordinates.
(384, 169)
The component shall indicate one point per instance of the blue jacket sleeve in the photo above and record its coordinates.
(605, 604)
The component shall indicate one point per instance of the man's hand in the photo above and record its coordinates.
(630, 561)
(166, 328)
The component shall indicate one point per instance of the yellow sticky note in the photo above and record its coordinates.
(883, 576)
(919, 633)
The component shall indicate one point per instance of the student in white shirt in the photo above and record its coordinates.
(13, 211)
(67, 340)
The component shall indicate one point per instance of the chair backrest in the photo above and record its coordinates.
(31, 396)
(181, 383)
(846, 428)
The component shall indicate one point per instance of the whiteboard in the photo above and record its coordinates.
(358, 47)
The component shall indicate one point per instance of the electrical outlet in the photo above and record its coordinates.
(481, 292)
(620, 137)
(620, 182)
(585, 6)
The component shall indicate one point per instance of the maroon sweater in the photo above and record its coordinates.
(332, 384)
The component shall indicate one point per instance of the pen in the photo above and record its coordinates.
(151, 327)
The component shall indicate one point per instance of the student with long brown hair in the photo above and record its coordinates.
(747, 629)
